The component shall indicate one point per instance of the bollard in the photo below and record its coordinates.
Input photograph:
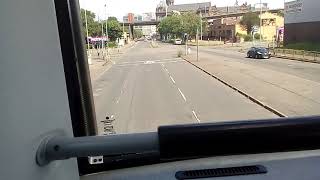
(293, 53)
(89, 59)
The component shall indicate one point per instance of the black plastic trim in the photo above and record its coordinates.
(241, 137)
(221, 172)
(76, 71)
(76, 68)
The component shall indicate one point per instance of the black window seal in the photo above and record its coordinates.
(177, 142)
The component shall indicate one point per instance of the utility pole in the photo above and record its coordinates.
(88, 44)
(260, 22)
(197, 38)
(166, 10)
(200, 25)
(186, 41)
(123, 28)
(107, 36)
(102, 45)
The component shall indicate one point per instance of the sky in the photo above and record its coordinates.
(119, 8)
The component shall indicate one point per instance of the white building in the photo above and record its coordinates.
(302, 21)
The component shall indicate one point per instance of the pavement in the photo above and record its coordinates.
(289, 87)
(150, 86)
(101, 63)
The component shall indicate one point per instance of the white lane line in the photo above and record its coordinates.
(118, 101)
(166, 70)
(182, 95)
(172, 80)
(195, 116)
(162, 65)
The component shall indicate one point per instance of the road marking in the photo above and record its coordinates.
(145, 63)
(166, 70)
(111, 117)
(98, 90)
(172, 80)
(162, 65)
(182, 95)
(157, 60)
(195, 115)
(118, 101)
(148, 62)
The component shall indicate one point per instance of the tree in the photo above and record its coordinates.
(114, 29)
(137, 33)
(112, 18)
(280, 13)
(191, 22)
(176, 25)
(94, 28)
(171, 25)
(249, 20)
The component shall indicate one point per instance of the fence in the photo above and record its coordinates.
(311, 56)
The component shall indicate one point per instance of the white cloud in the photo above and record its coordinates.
(119, 8)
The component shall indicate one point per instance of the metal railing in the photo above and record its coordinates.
(312, 56)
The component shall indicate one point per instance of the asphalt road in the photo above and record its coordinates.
(304, 70)
(148, 87)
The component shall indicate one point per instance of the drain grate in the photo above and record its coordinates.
(221, 172)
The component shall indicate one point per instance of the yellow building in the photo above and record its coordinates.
(225, 28)
(270, 23)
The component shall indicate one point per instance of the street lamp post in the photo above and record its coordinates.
(88, 45)
(260, 21)
(197, 39)
(200, 25)
(107, 36)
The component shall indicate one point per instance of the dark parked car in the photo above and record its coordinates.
(259, 53)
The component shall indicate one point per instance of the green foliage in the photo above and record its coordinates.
(308, 46)
(137, 33)
(171, 25)
(240, 35)
(280, 13)
(249, 20)
(256, 36)
(95, 27)
(112, 44)
(114, 29)
(248, 38)
(176, 25)
(111, 18)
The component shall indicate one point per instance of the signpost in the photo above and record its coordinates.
(197, 39)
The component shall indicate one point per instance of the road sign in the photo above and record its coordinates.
(255, 29)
